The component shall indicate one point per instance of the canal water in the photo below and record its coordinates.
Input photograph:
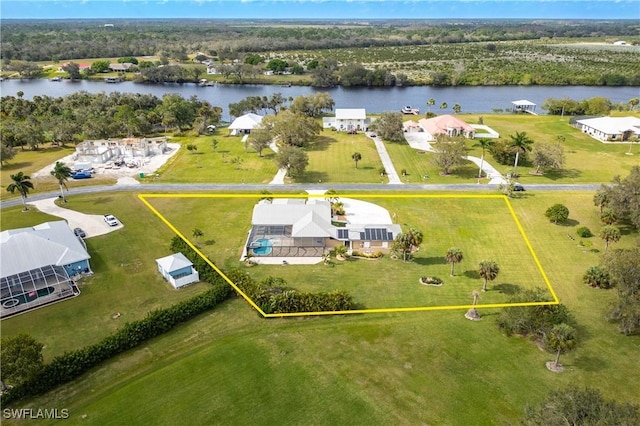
(474, 99)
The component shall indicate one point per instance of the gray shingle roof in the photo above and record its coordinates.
(50, 243)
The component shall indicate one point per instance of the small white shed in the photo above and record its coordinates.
(178, 270)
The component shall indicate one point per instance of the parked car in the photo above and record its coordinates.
(79, 232)
(518, 187)
(83, 174)
(111, 220)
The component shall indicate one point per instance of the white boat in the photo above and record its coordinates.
(410, 110)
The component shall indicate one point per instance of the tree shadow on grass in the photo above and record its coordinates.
(506, 288)
(102, 200)
(320, 143)
(14, 166)
(562, 174)
(568, 222)
(209, 242)
(473, 274)
(590, 363)
(313, 177)
(434, 260)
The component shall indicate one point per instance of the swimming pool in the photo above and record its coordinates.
(261, 247)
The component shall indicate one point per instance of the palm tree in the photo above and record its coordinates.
(457, 108)
(561, 338)
(488, 270)
(444, 105)
(62, 173)
(356, 156)
(608, 216)
(521, 143)
(609, 234)
(21, 183)
(453, 256)
(431, 102)
(406, 241)
(483, 143)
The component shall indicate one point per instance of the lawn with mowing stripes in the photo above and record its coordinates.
(230, 162)
(482, 228)
(228, 366)
(330, 159)
(125, 279)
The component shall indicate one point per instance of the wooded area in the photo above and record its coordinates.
(324, 54)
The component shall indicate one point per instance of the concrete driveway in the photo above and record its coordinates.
(92, 224)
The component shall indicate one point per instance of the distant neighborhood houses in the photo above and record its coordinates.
(609, 129)
(123, 67)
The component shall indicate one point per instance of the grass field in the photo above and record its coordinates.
(486, 231)
(125, 276)
(231, 367)
(229, 163)
(330, 159)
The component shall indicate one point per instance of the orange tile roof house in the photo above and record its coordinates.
(446, 125)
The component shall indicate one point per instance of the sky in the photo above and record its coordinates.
(320, 9)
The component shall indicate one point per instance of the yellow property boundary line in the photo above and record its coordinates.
(144, 197)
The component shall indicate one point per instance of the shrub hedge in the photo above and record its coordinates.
(70, 365)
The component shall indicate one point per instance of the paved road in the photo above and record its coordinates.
(214, 187)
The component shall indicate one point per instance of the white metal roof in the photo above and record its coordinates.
(173, 262)
(246, 122)
(612, 125)
(50, 243)
(351, 113)
(523, 102)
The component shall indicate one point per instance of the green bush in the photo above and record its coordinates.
(584, 232)
(375, 255)
(557, 213)
(532, 320)
(597, 276)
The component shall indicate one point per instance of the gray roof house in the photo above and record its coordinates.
(37, 264)
(178, 270)
(295, 227)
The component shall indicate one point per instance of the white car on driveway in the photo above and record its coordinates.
(111, 220)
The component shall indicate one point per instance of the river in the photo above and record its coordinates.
(474, 99)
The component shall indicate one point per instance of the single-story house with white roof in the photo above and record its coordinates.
(295, 227)
(610, 129)
(178, 270)
(245, 124)
(348, 119)
(37, 266)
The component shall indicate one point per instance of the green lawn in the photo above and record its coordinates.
(587, 160)
(486, 231)
(420, 168)
(330, 159)
(229, 163)
(125, 276)
(231, 367)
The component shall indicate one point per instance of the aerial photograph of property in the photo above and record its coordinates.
(320, 212)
